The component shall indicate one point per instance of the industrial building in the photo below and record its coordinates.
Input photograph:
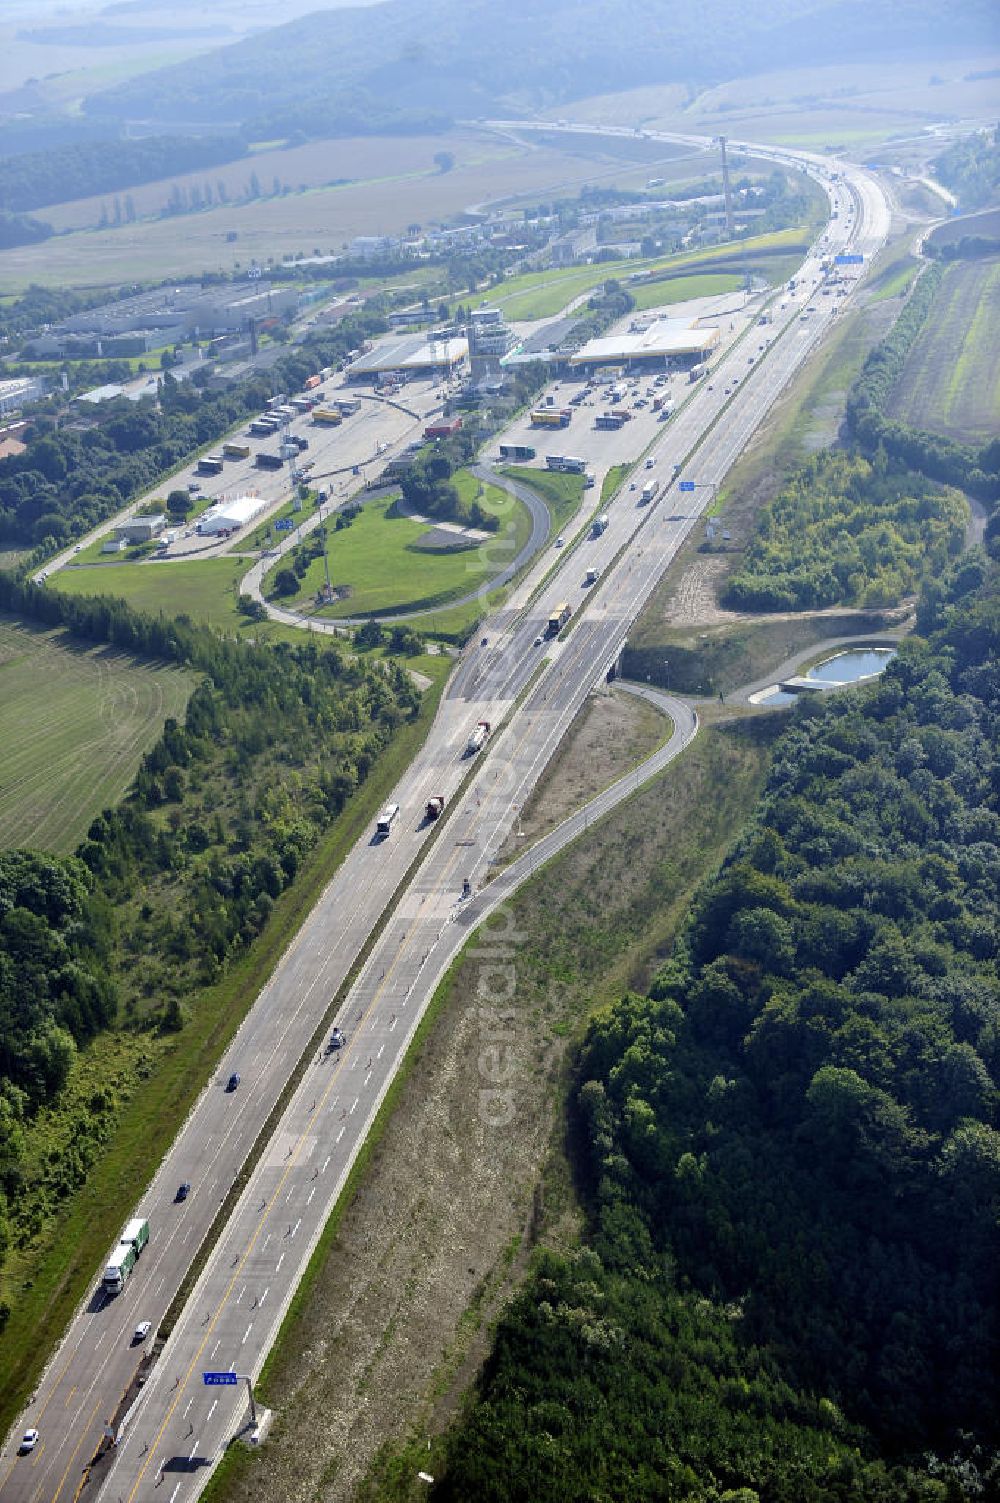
(169, 314)
(141, 529)
(666, 342)
(230, 515)
(411, 355)
(14, 394)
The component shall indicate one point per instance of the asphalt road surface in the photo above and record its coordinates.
(530, 692)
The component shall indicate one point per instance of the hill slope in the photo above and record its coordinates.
(355, 68)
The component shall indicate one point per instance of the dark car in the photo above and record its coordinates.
(232, 1082)
(337, 1040)
(183, 1190)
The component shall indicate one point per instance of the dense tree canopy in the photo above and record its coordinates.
(846, 531)
(791, 1145)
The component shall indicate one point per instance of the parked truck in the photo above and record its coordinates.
(210, 464)
(435, 806)
(477, 740)
(266, 461)
(232, 450)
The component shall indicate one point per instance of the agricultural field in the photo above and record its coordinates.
(379, 561)
(392, 182)
(75, 719)
(950, 383)
(853, 105)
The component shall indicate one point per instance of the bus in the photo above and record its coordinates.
(558, 619)
(566, 463)
(517, 453)
(551, 417)
(210, 464)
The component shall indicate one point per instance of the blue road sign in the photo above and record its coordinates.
(284, 524)
(686, 485)
(221, 1380)
(851, 260)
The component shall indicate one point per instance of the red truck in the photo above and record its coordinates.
(435, 806)
(443, 430)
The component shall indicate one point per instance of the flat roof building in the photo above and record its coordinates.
(141, 529)
(410, 355)
(666, 340)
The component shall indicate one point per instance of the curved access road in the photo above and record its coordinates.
(541, 527)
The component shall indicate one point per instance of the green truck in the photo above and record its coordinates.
(130, 1244)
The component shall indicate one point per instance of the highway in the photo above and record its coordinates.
(530, 692)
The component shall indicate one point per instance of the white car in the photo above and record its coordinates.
(142, 1330)
(29, 1441)
(560, 540)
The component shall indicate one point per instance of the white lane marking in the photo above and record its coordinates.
(392, 1025)
(327, 1159)
(99, 1340)
(368, 1077)
(241, 1293)
(264, 1295)
(339, 1136)
(312, 1192)
(280, 1261)
(212, 1410)
(215, 1348)
(175, 1491)
(246, 1333)
(194, 1449)
(380, 1049)
(296, 1226)
(354, 1107)
(189, 1403)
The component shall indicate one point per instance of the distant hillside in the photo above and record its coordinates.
(402, 61)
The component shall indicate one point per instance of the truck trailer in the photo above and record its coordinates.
(558, 619)
(118, 1268)
(477, 740)
(234, 450)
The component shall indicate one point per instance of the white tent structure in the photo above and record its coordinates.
(229, 515)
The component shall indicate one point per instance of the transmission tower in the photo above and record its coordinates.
(727, 190)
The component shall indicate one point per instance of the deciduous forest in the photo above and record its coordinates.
(788, 1149)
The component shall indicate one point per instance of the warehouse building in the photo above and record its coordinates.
(666, 342)
(411, 355)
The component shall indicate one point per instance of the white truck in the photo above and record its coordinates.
(385, 820)
(477, 740)
(648, 492)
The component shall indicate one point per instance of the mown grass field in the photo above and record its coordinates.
(541, 294)
(378, 560)
(75, 719)
(950, 383)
